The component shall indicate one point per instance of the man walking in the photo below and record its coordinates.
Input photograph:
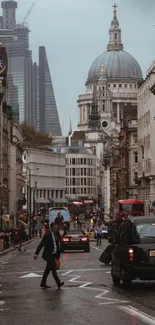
(51, 251)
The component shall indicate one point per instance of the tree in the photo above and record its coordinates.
(33, 137)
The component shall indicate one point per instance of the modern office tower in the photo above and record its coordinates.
(48, 113)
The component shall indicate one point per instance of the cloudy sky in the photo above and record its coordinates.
(75, 32)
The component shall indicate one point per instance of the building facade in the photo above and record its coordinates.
(80, 172)
(46, 178)
(48, 113)
(114, 77)
(146, 134)
(16, 178)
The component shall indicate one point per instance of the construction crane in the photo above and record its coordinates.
(27, 15)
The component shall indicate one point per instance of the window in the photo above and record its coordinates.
(114, 85)
(41, 194)
(74, 190)
(120, 85)
(135, 175)
(73, 181)
(85, 172)
(125, 85)
(85, 190)
(81, 171)
(136, 157)
(130, 86)
(81, 181)
(52, 193)
(115, 36)
(73, 171)
(73, 161)
(81, 161)
(84, 161)
(57, 192)
(61, 194)
(85, 181)
(142, 148)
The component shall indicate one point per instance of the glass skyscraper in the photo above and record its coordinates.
(48, 113)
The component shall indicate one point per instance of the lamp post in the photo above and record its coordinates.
(30, 196)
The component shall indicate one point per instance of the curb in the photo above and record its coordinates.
(15, 247)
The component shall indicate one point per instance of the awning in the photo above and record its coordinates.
(42, 201)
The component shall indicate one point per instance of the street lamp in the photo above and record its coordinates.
(30, 195)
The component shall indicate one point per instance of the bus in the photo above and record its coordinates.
(88, 208)
(77, 211)
(64, 212)
(124, 208)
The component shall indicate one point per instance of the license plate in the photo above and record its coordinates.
(152, 253)
(74, 239)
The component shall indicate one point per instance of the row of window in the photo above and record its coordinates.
(53, 194)
(81, 181)
(144, 121)
(80, 172)
(81, 191)
(80, 161)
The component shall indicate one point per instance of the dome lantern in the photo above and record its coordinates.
(115, 43)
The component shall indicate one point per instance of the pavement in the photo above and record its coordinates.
(88, 296)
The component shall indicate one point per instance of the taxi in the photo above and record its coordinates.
(134, 255)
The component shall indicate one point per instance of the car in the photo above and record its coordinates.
(104, 233)
(74, 240)
(134, 254)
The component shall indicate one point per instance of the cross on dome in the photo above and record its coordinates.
(115, 11)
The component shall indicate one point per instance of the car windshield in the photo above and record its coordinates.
(74, 232)
(146, 230)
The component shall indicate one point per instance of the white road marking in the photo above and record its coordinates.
(98, 249)
(2, 303)
(138, 314)
(75, 270)
(68, 272)
(108, 272)
(30, 275)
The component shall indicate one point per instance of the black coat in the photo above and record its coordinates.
(47, 243)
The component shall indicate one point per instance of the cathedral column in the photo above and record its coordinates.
(118, 112)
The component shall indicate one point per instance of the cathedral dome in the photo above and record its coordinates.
(115, 63)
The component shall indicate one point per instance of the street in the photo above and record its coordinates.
(88, 296)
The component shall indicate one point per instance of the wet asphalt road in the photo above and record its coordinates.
(88, 296)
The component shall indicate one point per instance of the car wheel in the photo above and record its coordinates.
(116, 281)
(127, 281)
(87, 249)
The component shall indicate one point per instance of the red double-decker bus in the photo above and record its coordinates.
(124, 208)
(76, 210)
(88, 208)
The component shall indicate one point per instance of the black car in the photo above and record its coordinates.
(74, 240)
(134, 255)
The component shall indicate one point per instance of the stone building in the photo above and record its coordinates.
(146, 135)
(114, 77)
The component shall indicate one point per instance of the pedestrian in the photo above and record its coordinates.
(98, 234)
(50, 243)
(40, 233)
(22, 237)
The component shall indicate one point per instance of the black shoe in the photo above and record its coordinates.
(45, 286)
(60, 285)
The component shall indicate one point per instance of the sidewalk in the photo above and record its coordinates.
(15, 247)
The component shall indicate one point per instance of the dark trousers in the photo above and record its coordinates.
(98, 239)
(50, 266)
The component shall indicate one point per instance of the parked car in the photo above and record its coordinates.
(134, 256)
(74, 240)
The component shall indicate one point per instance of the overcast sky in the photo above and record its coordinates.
(75, 32)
